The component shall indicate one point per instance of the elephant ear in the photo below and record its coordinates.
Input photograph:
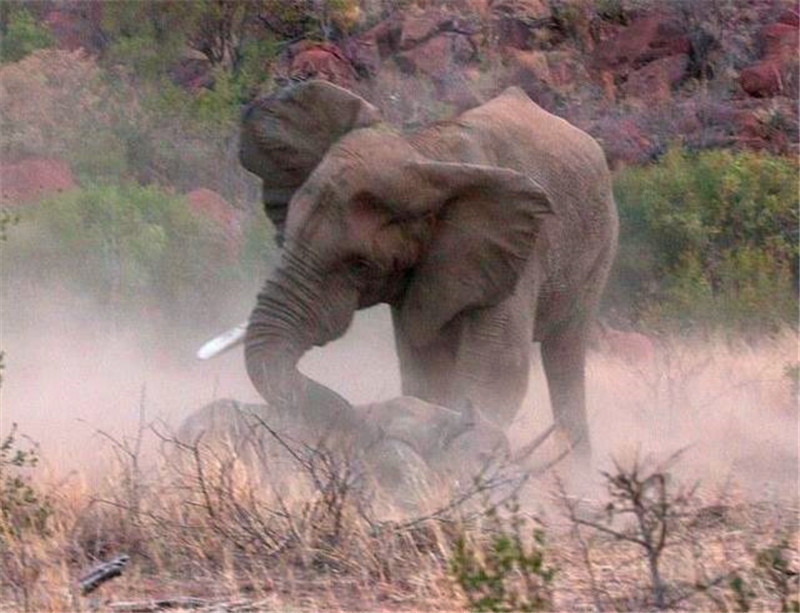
(284, 136)
(487, 221)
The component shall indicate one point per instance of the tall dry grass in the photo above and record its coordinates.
(196, 524)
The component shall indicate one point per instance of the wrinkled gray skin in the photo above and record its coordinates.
(411, 451)
(483, 234)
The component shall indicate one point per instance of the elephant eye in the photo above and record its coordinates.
(360, 266)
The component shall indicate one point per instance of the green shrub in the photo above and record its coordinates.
(20, 34)
(150, 39)
(772, 568)
(503, 569)
(7, 219)
(774, 563)
(708, 240)
(147, 37)
(59, 104)
(23, 509)
(133, 249)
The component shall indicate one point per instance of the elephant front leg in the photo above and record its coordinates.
(492, 368)
(564, 362)
(482, 360)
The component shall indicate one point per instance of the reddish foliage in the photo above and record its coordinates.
(210, 205)
(77, 25)
(33, 179)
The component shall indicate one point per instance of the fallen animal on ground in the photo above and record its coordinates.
(409, 451)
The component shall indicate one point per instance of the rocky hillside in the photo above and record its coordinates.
(637, 74)
(636, 79)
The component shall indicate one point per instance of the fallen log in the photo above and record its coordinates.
(102, 573)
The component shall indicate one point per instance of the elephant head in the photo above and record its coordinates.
(367, 218)
(284, 136)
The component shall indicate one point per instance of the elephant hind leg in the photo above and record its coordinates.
(564, 362)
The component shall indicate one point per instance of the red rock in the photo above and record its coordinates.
(33, 179)
(528, 9)
(647, 39)
(464, 51)
(790, 17)
(560, 71)
(419, 27)
(608, 85)
(623, 141)
(762, 80)
(533, 62)
(778, 40)
(386, 36)
(514, 33)
(437, 56)
(776, 72)
(478, 7)
(321, 60)
(516, 20)
(655, 81)
(773, 127)
(363, 53)
(530, 71)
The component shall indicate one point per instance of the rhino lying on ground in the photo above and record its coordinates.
(407, 449)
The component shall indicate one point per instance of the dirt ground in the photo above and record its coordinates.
(730, 405)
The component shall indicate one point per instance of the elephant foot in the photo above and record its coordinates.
(571, 461)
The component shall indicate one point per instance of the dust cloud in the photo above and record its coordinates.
(71, 371)
(728, 407)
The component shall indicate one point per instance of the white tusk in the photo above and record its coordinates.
(222, 343)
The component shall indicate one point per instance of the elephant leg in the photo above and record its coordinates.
(564, 362)
(482, 361)
(493, 356)
(425, 373)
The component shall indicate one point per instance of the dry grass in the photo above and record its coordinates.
(202, 528)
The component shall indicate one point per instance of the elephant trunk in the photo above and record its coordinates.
(292, 314)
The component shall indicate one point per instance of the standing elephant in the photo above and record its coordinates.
(483, 233)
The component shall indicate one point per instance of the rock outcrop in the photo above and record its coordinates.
(636, 75)
(776, 71)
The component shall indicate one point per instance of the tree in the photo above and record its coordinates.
(20, 34)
